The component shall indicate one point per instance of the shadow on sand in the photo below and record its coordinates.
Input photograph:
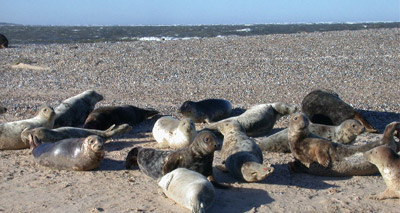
(380, 119)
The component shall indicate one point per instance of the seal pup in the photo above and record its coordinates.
(3, 41)
(10, 132)
(242, 157)
(171, 132)
(103, 117)
(79, 154)
(206, 111)
(198, 156)
(388, 163)
(73, 111)
(189, 189)
(2, 110)
(325, 107)
(260, 119)
(53, 135)
(345, 133)
(350, 160)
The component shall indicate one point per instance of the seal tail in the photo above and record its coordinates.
(131, 159)
(365, 123)
(121, 129)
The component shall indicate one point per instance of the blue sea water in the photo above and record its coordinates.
(20, 34)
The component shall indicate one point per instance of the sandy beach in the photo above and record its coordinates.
(363, 67)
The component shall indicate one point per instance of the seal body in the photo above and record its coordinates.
(345, 133)
(53, 135)
(171, 132)
(348, 159)
(2, 110)
(208, 110)
(198, 156)
(260, 119)
(242, 157)
(189, 189)
(78, 154)
(10, 133)
(3, 41)
(325, 107)
(103, 117)
(388, 163)
(73, 111)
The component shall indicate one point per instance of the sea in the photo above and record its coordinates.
(23, 34)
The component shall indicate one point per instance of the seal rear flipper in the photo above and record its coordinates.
(131, 158)
(33, 141)
(120, 129)
(222, 168)
(254, 172)
(365, 123)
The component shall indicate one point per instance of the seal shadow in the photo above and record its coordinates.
(118, 145)
(282, 176)
(239, 200)
(111, 165)
(379, 119)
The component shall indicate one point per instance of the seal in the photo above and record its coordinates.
(73, 111)
(103, 117)
(10, 132)
(189, 189)
(260, 119)
(345, 133)
(349, 158)
(206, 111)
(325, 107)
(171, 132)
(198, 156)
(242, 157)
(2, 110)
(53, 135)
(3, 41)
(79, 154)
(388, 163)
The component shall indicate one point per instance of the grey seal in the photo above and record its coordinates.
(325, 107)
(79, 154)
(74, 110)
(10, 132)
(206, 111)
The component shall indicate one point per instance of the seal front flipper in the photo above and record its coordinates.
(365, 123)
(222, 168)
(216, 184)
(172, 162)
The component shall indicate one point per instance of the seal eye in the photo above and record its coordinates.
(354, 126)
(295, 118)
(91, 141)
(206, 139)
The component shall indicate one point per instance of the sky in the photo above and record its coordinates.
(195, 12)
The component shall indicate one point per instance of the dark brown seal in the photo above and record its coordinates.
(53, 135)
(103, 117)
(240, 154)
(206, 111)
(349, 158)
(3, 41)
(325, 107)
(198, 156)
(73, 111)
(388, 163)
(78, 154)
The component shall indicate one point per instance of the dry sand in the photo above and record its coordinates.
(363, 67)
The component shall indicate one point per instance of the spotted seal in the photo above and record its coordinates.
(3, 41)
(74, 110)
(388, 163)
(240, 154)
(260, 119)
(345, 133)
(325, 107)
(103, 117)
(10, 133)
(53, 135)
(206, 111)
(79, 154)
(349, 158)
(189, 189)
(198, 156)
(171, 132)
